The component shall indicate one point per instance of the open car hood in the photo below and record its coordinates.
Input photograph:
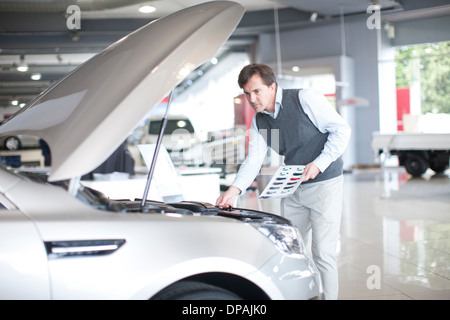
(87, 115)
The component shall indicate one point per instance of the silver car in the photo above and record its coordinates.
(60, 240)
(18, 142)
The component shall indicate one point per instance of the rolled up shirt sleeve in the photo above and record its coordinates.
(249, 169)
(326, 119)
(322, 115)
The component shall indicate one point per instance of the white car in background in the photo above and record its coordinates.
(60, 240)
(180, 138)
(17, 142)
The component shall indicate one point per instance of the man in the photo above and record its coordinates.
(311, 133)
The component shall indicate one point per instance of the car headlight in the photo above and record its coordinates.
(286, 238)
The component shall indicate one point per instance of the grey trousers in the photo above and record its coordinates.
(316, 209)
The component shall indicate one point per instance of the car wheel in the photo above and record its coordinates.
(12, 143)
(438, 167)
(439, 161)
(415, 164)
(193, 290)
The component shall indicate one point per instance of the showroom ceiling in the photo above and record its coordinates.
(35, 33)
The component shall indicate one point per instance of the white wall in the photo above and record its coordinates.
(209, 102)
(7, 111)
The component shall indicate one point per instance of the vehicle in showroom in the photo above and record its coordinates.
(60, 240)
(180, 138)
(17, 142)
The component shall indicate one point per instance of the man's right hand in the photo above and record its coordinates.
(228, 198)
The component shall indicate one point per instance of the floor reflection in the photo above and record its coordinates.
(395, 234)
(402, 225)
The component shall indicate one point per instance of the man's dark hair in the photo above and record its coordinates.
(264, 71)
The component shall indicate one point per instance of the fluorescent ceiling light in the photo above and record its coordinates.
(23, 66)
(36, 76)
(147, 9)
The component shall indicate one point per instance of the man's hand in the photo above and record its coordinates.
(311, 171)
(228, 197)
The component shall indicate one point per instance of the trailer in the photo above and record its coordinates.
(416, 151)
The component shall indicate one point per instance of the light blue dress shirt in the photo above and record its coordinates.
(322, 115)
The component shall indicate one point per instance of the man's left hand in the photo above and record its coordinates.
(311, 171)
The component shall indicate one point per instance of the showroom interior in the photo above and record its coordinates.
(395, 228)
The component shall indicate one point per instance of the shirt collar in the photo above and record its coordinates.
(278, 105)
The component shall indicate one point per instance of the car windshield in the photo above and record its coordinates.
(172, 125)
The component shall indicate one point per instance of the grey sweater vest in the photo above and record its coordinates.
(299, 140)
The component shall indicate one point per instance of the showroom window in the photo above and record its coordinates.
(423, 87)
(322, 82)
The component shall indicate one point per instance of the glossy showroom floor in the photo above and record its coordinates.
(395, 235)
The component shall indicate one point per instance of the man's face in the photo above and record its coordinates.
(259, 95)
